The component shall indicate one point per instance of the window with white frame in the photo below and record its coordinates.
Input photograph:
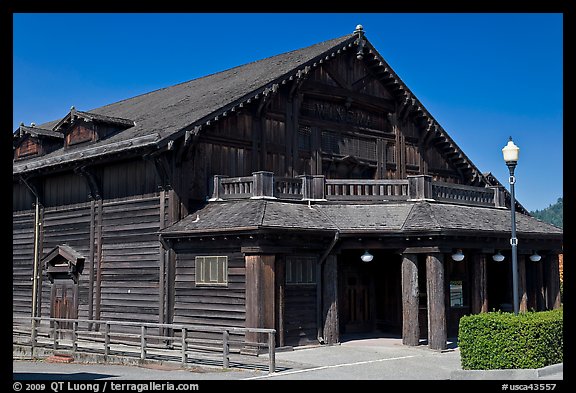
(211, 271)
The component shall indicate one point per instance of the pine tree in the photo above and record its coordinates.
(553, 214)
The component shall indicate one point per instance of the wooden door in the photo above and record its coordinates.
(357, 295)
(64, 301)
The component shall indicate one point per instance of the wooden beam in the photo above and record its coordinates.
(321, 90)
(540, 287)
(479, 284)
(410, 299)
(331, 332)
(280, 277)
(334, 74)
(435, 286)
(552, 273)
(522, 295)
(260, 290)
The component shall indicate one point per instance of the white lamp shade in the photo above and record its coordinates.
(511, 152)
(367, 257)
(535, 257)
(498, 257)
(458, 256)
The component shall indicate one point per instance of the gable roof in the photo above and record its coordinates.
(169, 112)
(173, 112)
(37, 131)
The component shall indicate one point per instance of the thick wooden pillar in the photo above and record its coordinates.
(435, 286)
(552, 275)
(410, 297)
(479, 284)
(260, 295)
(522, 292)
(540, 289)
(331, 331)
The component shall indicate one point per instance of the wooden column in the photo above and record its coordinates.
(410, 297)
(540, 289)
(479, 284)
(552, 275)
(435, 286)
(331, 331)
(280, 277)
(315, 147)
(381, 158)
(260, 295)
(522, 291)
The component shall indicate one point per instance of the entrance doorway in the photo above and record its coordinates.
(370, 297)
(64, 304)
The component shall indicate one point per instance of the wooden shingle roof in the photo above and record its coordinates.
(168, 113)
(177, 111)
(405, 217)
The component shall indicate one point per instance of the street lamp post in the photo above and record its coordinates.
(511, 152)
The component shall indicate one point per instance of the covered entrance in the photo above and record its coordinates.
(370, 293)
(63, 265)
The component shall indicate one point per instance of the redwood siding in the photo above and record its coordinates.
(67, 225)
(28, 147)
(210, 306)
(22, 198)
(130, 259)
(300, 326)
(22, 262)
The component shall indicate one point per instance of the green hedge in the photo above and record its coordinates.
(498, 340)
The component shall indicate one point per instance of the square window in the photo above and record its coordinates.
(211, 271)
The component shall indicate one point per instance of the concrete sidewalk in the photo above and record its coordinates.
(355, 359)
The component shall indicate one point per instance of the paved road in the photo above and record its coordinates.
(367, 359)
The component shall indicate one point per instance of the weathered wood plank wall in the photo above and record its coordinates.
(22, 262)
(210, 306)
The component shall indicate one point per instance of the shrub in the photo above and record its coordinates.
(498, 340)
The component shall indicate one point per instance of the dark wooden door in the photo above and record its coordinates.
(64, 301)
(358, 299)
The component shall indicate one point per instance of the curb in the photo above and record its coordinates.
(514, 374)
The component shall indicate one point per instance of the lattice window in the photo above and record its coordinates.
(211, 271)
(300, 270)
(334, 143)
(304, 135)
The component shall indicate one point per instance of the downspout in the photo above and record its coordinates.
(319, 289)
(36, 249)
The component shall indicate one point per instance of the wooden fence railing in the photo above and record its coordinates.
(141, 340)
(317, 187)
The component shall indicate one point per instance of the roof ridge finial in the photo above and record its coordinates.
(360, 41)
(359, 30)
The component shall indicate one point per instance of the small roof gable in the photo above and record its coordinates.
(37, 132)
(66, 252)
(74, 114)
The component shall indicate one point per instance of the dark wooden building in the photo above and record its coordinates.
(309, 192)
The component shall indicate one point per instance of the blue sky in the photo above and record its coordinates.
(483, 76)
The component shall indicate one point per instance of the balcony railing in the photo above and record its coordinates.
(317, 187)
